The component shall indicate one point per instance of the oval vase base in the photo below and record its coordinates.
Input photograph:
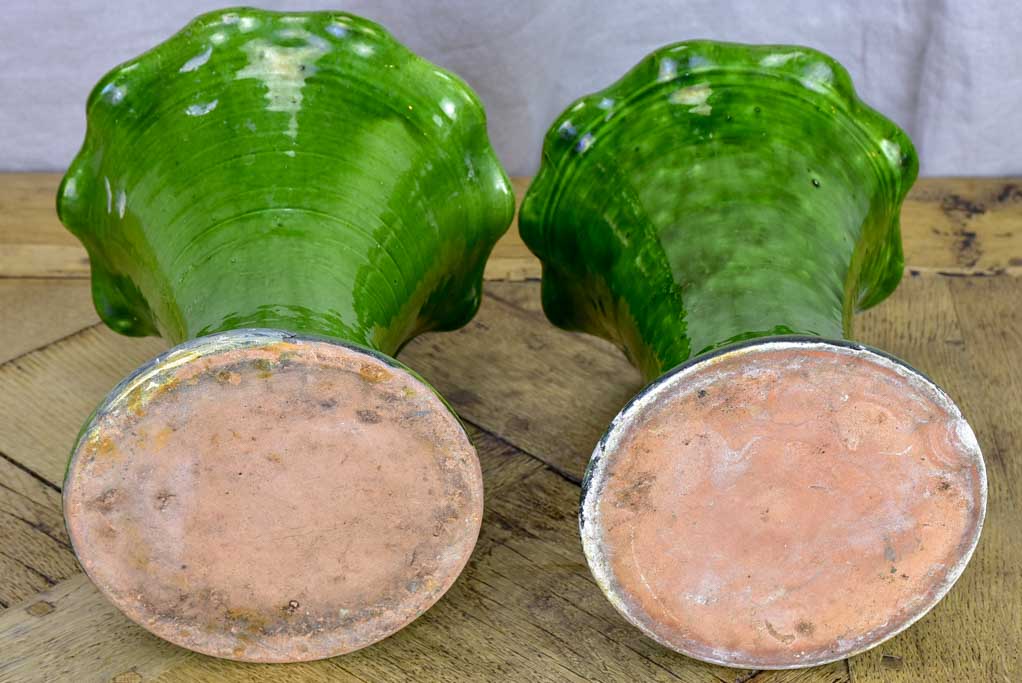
(268, 497)
(783, 503)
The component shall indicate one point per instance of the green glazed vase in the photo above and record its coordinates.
(776, 497)
(288, 198)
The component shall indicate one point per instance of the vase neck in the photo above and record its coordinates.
(302, 272)
(696, 270)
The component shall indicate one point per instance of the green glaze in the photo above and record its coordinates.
(298, 171)
(718, 192)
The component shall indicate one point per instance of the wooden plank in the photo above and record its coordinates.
(35, 553)
(542, 527)
(494, 637)
(973, 348)
(49, 393)
(71, 633)
(28, 213)
(525, 608)
(964, 225)
(954, 225)
(39, 311)
(550, 393)
(43, 260)
(524, 295)
(537, 531)
(46, 395)
(919, 323)
(511, 259)
(577, 372)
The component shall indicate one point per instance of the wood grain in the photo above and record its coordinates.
(71, 633)
(68, 306)
(973, 631)
(549, 392)
(536, 400)
(46, 395)
(35, 553)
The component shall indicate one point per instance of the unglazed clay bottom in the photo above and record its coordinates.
(783, 503)
(266, 497)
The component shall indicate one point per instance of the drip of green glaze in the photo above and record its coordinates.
(718, 192)
(299, 171)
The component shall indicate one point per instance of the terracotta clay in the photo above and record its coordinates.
(744, 511)
(276, 500)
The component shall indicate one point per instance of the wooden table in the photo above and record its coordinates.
(535, 399)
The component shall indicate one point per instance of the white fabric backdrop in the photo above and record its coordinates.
(950, 72)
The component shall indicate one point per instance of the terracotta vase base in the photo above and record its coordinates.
(267, 497)
(783, 503)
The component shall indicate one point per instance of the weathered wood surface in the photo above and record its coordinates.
(536, 400)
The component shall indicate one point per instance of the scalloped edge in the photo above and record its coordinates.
(78, 189)
(692, 60)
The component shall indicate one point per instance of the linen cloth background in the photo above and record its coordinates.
(949, 72)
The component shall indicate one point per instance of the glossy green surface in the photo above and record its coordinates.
(718, 192)
(299, 171)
